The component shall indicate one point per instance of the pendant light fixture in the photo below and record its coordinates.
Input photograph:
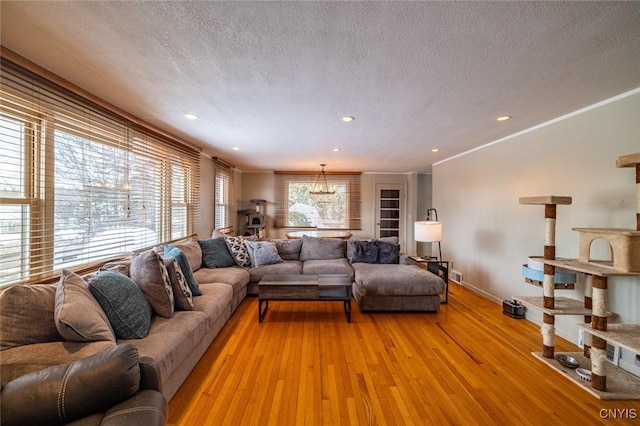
(318, 188)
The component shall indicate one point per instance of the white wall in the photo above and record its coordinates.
(489, 235)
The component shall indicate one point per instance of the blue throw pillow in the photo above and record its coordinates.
(121, 299)
(215, 253)
(388, 252)
(365, 252)
(181, 258)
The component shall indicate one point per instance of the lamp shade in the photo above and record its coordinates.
(428, 231)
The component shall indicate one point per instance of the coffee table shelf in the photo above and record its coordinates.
(323, 288)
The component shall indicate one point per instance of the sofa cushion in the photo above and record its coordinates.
(215, 253)
(26, 315)
(264, 253)
(126, 307)
(149, 272)
(181, 292)
(362, 251)
(236, 277)
(238, 250)
(192, 252)
(395, 280)
(78, 316)
(215, 301)
(181, 258)
(331, 266)
(288, 267)
(289, 249)
(322, 248)
(171, 340)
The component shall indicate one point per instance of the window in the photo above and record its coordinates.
(15, 199)
(223, 187)
(297, 208)
(80, 184)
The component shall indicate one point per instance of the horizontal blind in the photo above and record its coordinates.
(297, 208)
(224, 195)
(80, 183)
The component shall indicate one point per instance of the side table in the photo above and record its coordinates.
(438, 267)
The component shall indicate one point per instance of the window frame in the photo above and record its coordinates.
(353, 204)
(223, 197)
(44, 108)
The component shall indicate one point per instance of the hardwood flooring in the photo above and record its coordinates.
(305, 365)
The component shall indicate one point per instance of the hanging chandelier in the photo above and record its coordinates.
(318, 188)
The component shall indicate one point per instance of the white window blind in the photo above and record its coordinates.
(224, 198)
(79, 183)
(297, 208)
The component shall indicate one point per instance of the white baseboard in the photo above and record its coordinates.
(481, 292)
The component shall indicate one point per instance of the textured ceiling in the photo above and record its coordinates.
(273, 78)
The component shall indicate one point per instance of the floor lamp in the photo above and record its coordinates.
(429, 231)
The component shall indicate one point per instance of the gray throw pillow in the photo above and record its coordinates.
(265, 253)
(181, 292)
(388, 252)
(364, 251)
(124, 303)
(25, 315)
(289, 249)
(322, 248)
(192, 252)
(78, 316)
(181, 258)
(215, 253)
(148, 271)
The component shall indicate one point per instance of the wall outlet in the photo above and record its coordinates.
(613, 354)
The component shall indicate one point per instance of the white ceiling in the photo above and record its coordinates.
(273, 78)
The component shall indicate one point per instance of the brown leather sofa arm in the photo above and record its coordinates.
(68, 392)
(150, 374)
(146, 408)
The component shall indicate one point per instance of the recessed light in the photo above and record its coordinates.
(503, 118)
(336, 149)
(236, 148)
(435, 150)
(348, 118)
(191, 116)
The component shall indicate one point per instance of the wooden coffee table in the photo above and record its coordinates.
(323, 288)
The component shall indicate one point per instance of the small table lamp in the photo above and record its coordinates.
(429, 231)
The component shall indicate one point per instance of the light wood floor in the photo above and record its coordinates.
(467, 364)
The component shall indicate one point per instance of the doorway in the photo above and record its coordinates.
(390, 211)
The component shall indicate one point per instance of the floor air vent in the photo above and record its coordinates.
(456, 276)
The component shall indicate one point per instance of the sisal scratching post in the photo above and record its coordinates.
(588, 303)
(548, 283)
(548, 280)
(599, 322)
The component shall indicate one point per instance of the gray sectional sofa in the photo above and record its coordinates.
(39, 329)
